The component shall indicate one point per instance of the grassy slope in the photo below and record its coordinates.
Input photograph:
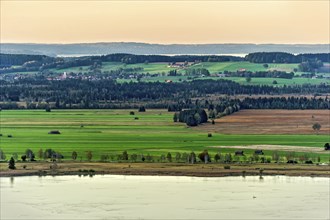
(112, 131)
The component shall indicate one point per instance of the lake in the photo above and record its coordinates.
(164, 197)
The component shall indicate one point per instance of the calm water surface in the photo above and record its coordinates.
(153, 197)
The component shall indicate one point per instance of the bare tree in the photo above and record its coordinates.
(316, 127)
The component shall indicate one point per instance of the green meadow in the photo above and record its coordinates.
(113, 131)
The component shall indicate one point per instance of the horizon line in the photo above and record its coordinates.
(164, 44)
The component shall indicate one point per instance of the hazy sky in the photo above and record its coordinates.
(165, 21)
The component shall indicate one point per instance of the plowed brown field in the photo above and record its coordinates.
(271, 122)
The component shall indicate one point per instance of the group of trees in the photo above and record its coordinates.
(284, 103)
(197, 72)
(262, 74)
(191, 117)
(227, 106)
(8, 60)
(310, 65)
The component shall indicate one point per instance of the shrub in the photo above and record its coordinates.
(209, 135)
(192, 157)
(217, 157)
(133, 157)
(104, 157)
(204, 156)
(23, 157)
(142, 109)
(169, 157)
(149, 158)
(89, 155)
(316, 127)
(54, 132)
(175, 117)
(125, 155)
(131, 113)
(11, 164)
(2, 155)
(177, 157)
(74, 155)
(29, 154)
(227, 167)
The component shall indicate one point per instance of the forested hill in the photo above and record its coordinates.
(280, 57)
(144, 48)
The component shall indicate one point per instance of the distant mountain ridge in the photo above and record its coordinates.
(145, 48)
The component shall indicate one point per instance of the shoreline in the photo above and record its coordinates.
(164, 169)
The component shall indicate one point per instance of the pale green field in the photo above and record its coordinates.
(234, 66)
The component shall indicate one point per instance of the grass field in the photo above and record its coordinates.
(215, 67)
(113, 131)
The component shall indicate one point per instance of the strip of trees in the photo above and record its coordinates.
(180, 157)
(77, 93)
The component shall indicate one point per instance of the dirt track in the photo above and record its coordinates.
(279, 148)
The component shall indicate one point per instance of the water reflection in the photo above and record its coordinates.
(11, 181)
(154, 197)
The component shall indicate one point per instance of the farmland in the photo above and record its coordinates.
(213, 67)
(271, 122)
(152, 132)
(159, 72)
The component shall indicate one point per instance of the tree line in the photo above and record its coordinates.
(261, 74)
(281, 57)
(179, 157)
(78, 93)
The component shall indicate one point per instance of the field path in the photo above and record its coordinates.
(279, 148)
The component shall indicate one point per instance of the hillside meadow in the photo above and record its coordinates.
(113, 131)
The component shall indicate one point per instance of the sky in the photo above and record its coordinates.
(165, 22)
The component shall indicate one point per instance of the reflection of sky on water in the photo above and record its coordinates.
(155, 197)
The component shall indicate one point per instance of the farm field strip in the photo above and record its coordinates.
(116, 131)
